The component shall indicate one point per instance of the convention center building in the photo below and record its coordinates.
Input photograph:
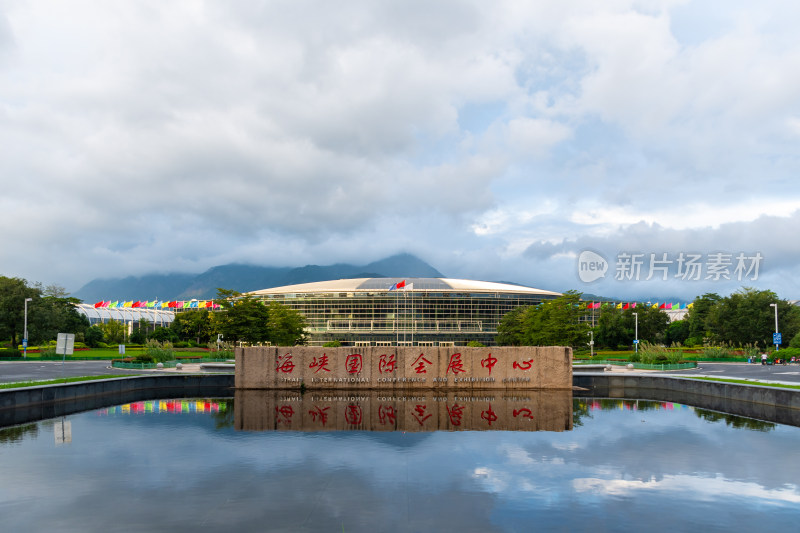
(404, 312)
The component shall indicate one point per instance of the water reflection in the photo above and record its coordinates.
(259, 410)
(626, 465)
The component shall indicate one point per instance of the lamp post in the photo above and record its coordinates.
(25, 329)
(636, 334)
(591, 344)
(776, 326)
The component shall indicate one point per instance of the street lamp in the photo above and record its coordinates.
(776, 326)
(636, 334)
(25, 334)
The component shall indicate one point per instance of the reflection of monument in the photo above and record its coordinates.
(260, 410)
(403, 368)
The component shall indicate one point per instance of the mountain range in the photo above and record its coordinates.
(245, 278)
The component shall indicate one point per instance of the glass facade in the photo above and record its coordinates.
(126, 315)
(434, 312)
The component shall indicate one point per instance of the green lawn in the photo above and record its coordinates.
(58, 381)
(745, 382)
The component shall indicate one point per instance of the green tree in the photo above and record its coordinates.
(698, 317)
(244, 318)
(286, 326)
(241, 318)
(557, 322)
(93, 336)
(510, 329)
(677, 332)
(113, 332)
(617, 327)
(13, 292)
(197, 325)
(746, 317)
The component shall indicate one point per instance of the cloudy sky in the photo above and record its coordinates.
(494, 140)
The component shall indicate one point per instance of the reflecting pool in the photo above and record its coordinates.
(236, 464)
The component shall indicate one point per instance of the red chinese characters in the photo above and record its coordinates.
(524, 365)
(352, 415)
(386, 414)
(420, 364)
(353, 363)
(488, 363)
(387, 363)
(489, 415)
(284, 364)
(284, 414)
(321, 364)
(320, 414)
(455, 365)
(525, 412)
(419, 413)
(455, 413)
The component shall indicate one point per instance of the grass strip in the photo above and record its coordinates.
(20, 384)
(745, 382)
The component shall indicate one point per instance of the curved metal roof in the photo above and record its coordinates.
(419, 285)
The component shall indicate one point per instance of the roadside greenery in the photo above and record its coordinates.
(21, 384)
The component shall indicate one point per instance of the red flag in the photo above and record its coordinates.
(626, 306)
(98, 304)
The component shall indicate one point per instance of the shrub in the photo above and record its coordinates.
(476, 344)
(144, 358)
(718, 352)
(159, 352)
(10, 352)
(658, 355)
(332, 344)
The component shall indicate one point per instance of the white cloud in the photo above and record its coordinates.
(149, 136)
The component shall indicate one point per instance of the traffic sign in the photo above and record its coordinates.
(635, 341)
(776, 338)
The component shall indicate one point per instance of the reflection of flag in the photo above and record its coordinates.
(398, 285)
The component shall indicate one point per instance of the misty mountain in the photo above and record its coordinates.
(245, 278)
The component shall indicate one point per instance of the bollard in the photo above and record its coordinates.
(178, 366)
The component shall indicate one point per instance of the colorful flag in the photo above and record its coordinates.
(113, 304)
(654, 306)
(619, 305)
(626, 306)
(398, 285)
(633, 305)
(209, 303)
(98, 304)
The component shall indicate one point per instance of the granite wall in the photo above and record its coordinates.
(402, 368)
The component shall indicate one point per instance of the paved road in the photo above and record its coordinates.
(780, 373)
(40, 370)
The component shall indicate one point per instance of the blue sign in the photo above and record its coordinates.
(24, 343)
(635, 341)
(776, 338)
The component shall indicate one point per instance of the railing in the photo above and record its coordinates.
(640, 366)
(166, 364)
